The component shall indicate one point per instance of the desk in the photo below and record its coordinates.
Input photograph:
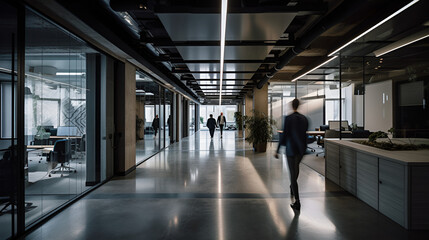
(44, 150)
(316, 133)
(64, 137)
(39, 146)
(311, 133)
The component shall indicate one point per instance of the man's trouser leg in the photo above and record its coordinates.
(293, 163)
(221, 129)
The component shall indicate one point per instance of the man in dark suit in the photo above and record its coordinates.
(155, 124)
(211, 124)
(221, 121)
(294, 137)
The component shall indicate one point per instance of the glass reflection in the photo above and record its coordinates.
(149, 117)
(56, 98)
(169, 117)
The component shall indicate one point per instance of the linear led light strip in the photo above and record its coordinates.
(53, 81)
(43, 79)
(402, 43)
(375, 26)
(69, 73)
(318, 66)
(222, 44)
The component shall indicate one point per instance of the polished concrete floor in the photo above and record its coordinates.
(219, 189)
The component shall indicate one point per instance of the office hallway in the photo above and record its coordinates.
(218, 189)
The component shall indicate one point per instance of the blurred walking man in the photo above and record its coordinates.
(294, 137)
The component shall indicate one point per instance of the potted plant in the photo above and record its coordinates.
(239, 122)
(260, 130)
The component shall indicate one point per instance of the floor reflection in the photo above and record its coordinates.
(202, 188)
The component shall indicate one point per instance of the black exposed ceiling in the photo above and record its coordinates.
(178, 38)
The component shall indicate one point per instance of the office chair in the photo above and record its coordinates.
(328, 134)
(61, 154)
(6, 181)
(311, 139)
(7, 185)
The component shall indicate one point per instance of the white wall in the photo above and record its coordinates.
(358, 110)
(378, 106)
(313, 110)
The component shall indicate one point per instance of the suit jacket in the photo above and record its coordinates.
(211, 123)
(224, 120)
(155, 123)
(294, 135)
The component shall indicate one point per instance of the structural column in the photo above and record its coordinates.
(179, 117)
(92, 121)
(260, 99)
(125, 118)
(248, 101)
(240, 109)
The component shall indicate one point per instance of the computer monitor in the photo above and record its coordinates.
(335, 125)
(67, 131)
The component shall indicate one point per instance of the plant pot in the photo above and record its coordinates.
(260, 147)
(240, 133)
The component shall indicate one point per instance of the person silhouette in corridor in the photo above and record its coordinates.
(211, 124)
(294, 137)
(221, 121)
(155, 124)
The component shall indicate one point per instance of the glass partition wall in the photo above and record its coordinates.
(149, 117)
(367, 94)
(280, 96)
(169, 126)
(59, 88)
(57, 85)
(192, 122)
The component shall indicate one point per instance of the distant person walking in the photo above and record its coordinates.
(211, 124)
(155, 124)
(294, 137)
(221, 121)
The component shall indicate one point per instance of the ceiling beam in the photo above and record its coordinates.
(223, 96)
(300, 8)
(167, 43)
(217, 80)
(211, 85)
(267, 60)
(187, 71)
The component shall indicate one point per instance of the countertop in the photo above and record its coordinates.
(408, 157)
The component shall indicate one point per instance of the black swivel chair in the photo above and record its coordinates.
(61, 154)
(6, 182)
(328, 134)
(311, 139)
